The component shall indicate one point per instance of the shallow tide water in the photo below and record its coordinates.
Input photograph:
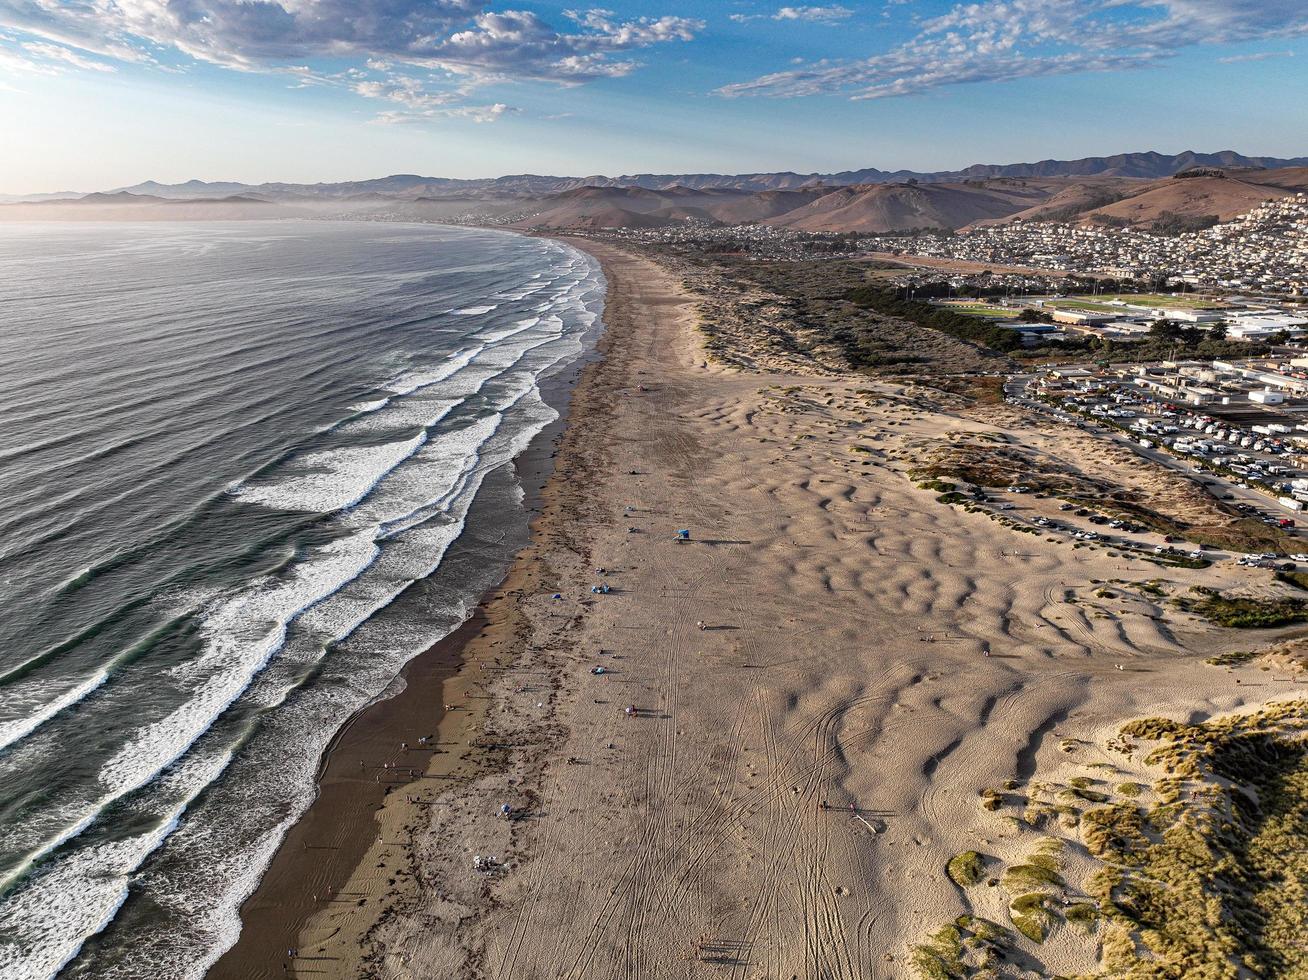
(230, 457)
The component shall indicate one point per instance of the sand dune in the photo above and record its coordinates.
(865, 646)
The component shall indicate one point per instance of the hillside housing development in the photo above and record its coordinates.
(1264, 250)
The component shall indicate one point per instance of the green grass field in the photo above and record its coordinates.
(1077, 304)
(1153, 300)
(973, 309)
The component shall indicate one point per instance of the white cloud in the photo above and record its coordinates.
(12, 63)
(54, 53)
(519, 44)
(265, 34)
(477, 114)
(460, 40)
(1258, 56)
(814, 15)
(997, 40)
(410, 92)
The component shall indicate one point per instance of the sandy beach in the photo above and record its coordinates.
(826, 677)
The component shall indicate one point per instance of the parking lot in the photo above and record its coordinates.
(1255, 472)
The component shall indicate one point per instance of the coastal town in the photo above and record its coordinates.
(1265, 249)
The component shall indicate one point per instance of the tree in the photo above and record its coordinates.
(1164, 330)
(1217, 331)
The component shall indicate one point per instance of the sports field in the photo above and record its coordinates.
(979, 309)
(1106, 304)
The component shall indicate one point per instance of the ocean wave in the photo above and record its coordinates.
(411, 381)
(474, 310)
(46, 923)
(402, 504)
(336, 478)
(504, 333)
(239, 636)
(17, 728)
(243, 633)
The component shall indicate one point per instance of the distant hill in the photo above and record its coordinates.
(1224, 197)
(1135, 189)
(115, 197)
(877, 208)
(912, 204)
(607, 207)
(1142, 166)
(125, 206)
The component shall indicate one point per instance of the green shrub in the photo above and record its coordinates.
(965, 869)
(1243, 612)
(1082, 914)
(1023, 877)
(1031, 916)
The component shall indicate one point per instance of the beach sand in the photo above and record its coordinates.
(827, 675)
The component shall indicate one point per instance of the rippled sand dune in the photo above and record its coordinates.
(826, 678)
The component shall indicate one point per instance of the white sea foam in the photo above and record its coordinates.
(47, 921)
(412, 381)
(418, 412)
(474, 310)
(16, 728)
(239, 637)
(504, 333)
(371, 406)
(332, 479)
(412, 498)
(524, 292)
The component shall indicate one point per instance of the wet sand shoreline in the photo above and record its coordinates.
(332, 836)
(362, 765)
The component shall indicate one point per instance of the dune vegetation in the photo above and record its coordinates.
(1200, 873)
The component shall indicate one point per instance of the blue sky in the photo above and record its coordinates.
(101, 93)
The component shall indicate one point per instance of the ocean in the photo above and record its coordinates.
(233, 458)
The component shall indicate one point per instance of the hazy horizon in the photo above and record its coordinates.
(1303, 152)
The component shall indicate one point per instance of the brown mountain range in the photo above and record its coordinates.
(866, 208)
(904, 206)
